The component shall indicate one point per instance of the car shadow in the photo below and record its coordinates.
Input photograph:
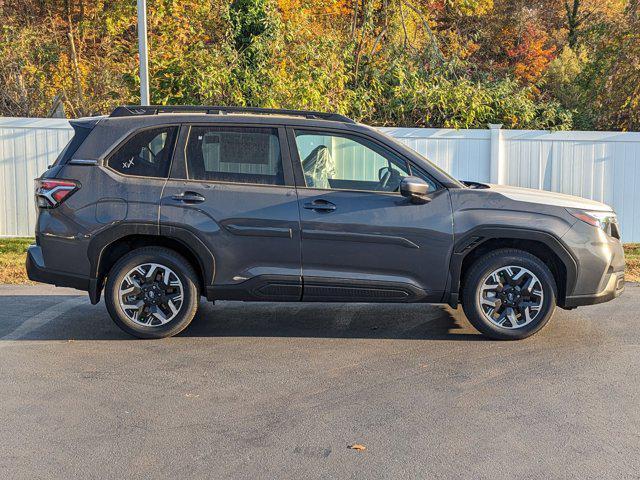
(24, 319)
(331, 320)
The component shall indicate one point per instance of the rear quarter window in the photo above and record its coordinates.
(147, 154)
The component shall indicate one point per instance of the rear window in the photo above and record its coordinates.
(79, 134)
(147, 154)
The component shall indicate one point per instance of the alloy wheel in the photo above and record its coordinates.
(151, 294)
(511, 297)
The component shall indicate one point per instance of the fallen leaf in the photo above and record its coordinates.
(357, 446)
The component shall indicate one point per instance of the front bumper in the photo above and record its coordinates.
(600, 261)
(613, 288)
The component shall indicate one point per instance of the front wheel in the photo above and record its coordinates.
(152, 293)
(509, 294)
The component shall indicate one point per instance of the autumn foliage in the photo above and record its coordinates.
(444, 63)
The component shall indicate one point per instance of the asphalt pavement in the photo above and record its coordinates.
(279, 391)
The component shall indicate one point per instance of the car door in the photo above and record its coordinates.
(361, 240)
(232, 186)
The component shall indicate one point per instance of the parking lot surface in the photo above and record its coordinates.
(279, 391)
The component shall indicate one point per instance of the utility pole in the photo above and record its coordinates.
(142, 51)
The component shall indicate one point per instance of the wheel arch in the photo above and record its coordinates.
(110, 244)
(543, 245)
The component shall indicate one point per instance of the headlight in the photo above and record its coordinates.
(606, 221)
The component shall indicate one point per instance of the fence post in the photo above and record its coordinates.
(497, 172)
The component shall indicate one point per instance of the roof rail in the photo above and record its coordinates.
(132, 110)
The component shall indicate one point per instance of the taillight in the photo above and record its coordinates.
(52, 192)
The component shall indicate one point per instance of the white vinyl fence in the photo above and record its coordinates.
(603, 166)
(27, 146)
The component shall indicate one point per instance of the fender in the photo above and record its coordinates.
(106, 237)
(193, 242)
(479, 235)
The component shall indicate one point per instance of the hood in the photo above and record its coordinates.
(549, 198)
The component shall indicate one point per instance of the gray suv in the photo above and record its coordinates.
(158, 206)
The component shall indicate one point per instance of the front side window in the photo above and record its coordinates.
(146, 154)
(235, 154)
(348, 163)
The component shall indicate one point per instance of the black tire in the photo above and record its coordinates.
(182, 269)
(495, 260)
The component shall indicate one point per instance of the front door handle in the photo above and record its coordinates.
(320, 205)
(189, 197)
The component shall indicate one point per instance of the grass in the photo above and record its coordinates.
(13, 253)
(632, 257)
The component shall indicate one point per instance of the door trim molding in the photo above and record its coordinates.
(357, 237)
(254, 231)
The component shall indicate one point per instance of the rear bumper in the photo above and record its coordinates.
(38, 272)
(614, 287)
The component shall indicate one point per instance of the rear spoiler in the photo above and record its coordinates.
(86, 122)
(81, 129)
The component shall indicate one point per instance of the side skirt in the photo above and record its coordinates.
(272, 288)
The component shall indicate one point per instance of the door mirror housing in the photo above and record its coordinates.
(415, 189)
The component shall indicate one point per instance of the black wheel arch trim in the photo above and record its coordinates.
(479, 235)
(101, 241)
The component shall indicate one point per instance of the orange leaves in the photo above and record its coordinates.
(528, 51)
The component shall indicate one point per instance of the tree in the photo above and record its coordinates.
(457, 63)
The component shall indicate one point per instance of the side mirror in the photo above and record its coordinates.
(415, 189)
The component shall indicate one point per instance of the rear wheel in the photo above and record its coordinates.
(152, 293)
(509, 294)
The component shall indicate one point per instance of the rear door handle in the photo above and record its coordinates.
(189, 197)
(320, 205)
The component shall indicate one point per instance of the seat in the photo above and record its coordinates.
(318, 167)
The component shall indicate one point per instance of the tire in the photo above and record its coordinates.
(521, 305)
(168, 308)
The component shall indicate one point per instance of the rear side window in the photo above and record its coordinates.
(146, 154)
(235, 154)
